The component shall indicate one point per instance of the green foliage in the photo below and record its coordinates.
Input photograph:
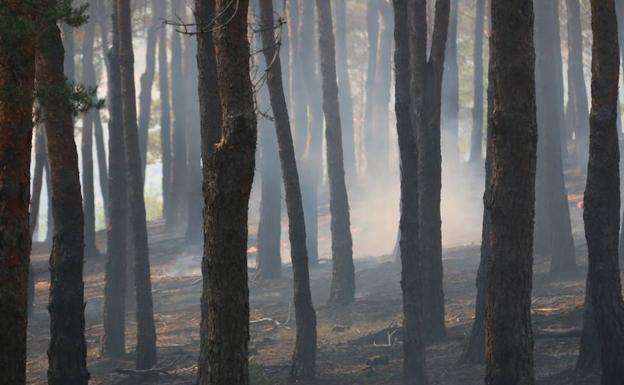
(80, 97)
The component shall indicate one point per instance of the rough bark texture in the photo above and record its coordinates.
(178, 135)
(476, 135)
(17, 71)
(344, 86)
(342, 290)
(553, 219)
(165, 110)
(228, 175)
(414, 362)
(86, 146)
(578, 106)
(589, 347)
(146, 333)
(427, 106)
(450, 87)
(114, 314)
(67, 351)
(304, 356)
(510, 195)
(146, 82)
(602, 194)
(312, 167)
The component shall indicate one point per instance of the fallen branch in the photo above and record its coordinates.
(147, 372)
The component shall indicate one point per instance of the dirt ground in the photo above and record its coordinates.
(353, 345)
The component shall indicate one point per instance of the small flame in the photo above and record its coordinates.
(252, 250)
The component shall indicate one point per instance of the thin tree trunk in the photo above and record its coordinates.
(476, 136)
(88, 194)
(41, 158)
(344, 86)
(178, 135)
(17, 72)
(228, 176)
(555, 219)
(450, 87)
(98, 130)
(114, 314)
(146, 333)
(372, 30)
(602, 194)
(414, 355)
(304, 356)
(67, 352)
(297, 85)
(510, 194)
(165, 111)
(146, 82)
(342, 290)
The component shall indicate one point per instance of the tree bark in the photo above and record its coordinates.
(554, 221)
(414, 361)
(476, 136)
(17, 72)
(450, 87)
(342, 290)
(114, 314)
(178, 135)
(304, 356)
(510, 194)
(88, 194)
(589, 348)
(602, 194)
(165, 110)
(67, 351)
(146, 82)
(344, 86)
(228, 176)
(146, 333)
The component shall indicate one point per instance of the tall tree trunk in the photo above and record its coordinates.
(414, 355)
(342, 290)
(178, 135)
(296, 84)
(146, 333)
(228, 176)
(450, 87)
(312, 165)
(344, 86)
(304, 357)
(147, 81)
(430, 180)
(619, 9)
(165, 111)
(114, 314)
(602, 194)
(88, 194)
(510, 194)
(372, 31)
(577, 90)
(67, 353)
(17, 72)
(476, 136)
(554, 221)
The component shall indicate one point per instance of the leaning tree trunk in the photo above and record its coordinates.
(178, 135)
(342, 290)
(602, 194)
(372, 33)
(344, 87)
(304, 357)
(67, 352)
(146, 333)
(554, 221)
(147, 81)
(450, 88)
(114, 314)
(165, 110)
(228, 176)
(88, 194)
(510, 194)
(17, 72)
(476, 135)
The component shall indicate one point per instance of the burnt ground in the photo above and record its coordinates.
(353, 343)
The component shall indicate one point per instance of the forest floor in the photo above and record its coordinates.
(353, 343)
